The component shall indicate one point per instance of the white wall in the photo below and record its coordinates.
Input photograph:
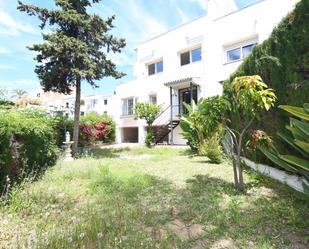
(213, 34)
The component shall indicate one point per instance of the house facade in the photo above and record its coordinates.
(190, 62)
(99, 103)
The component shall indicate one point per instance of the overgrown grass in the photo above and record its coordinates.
(124, 198)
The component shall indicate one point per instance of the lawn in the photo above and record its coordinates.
(151, 198)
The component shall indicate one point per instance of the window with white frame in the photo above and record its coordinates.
(155, 68)
(127, 106)
(239, 51)
(191, 56)
(153, 98)
(93, 102)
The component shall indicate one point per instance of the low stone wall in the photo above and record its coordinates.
(295, 182)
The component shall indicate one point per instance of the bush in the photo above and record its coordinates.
(96, 127)
(28, 143)
(212, 148)
(149, 138)
(203, 120)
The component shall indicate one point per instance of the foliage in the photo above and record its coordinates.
(297, 140)
(202, 120)
(149, 138)
(27, 145)
(5, 104)
(74, 50)
(96, 127)
(250, 95)
(19, 93)
(212, 148)
(121, 204)
(147, 111)
(282, 61)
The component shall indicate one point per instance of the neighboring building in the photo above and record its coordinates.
(100, 103)
(190, 62)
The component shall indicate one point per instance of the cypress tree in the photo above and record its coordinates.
(75, 50)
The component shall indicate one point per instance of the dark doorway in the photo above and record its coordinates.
(185, 97)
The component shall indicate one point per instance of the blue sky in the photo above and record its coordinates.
(136, 21)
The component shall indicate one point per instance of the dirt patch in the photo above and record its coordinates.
(223, 243)
(185, 232)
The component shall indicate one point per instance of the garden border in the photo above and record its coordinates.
(293, 181)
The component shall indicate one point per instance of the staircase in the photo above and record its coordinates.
(161, 133)
(163, 124)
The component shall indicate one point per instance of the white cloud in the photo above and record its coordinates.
(4, 66)
(122, 59)
(201, 3)
(8, 26)
(184, 18)
(4, 50)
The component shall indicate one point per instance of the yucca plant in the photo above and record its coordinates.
(298, 163)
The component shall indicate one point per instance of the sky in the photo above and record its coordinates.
(136, 21)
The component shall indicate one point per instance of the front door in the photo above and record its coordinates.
(185, 97)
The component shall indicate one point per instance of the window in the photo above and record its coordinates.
(196, 54)
(191, 56)
(155, 68)
(93, 103)
(127, 107)
(105, 101)
(238, 53)
(185, 58)
(233, 55)
(153, 99)
(246, 50)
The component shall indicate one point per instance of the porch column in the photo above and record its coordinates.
(191, 93)
(171, 118)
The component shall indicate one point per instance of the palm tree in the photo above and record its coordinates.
(19, 94)
(3, 93)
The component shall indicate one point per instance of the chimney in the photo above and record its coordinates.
(218, 8)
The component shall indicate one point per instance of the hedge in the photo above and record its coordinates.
(283, 62)
(28, 144)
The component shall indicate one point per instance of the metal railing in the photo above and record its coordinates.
(165, 116)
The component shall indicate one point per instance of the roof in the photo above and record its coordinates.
(180, 82)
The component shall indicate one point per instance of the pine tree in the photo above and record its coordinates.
(75, 50)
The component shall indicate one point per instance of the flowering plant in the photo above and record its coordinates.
(91, 133)
(259, 137)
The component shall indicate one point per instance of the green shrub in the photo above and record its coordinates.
(202, 120)
(298, 140)
(149, 138)
(28, 143)
(212, 148)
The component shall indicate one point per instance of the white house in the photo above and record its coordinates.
(190, 62)
(99, 103)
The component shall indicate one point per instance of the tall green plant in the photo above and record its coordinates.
(297, 140)
(148, 112)
(202, 121)
(74, 50)
(250, 95)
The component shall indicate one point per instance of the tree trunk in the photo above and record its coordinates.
(76, 116)
(234, 161)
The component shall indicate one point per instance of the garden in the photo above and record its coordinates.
(200, 196)
(151, 198)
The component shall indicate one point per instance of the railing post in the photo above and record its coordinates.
(171, 120)
(191, 93)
